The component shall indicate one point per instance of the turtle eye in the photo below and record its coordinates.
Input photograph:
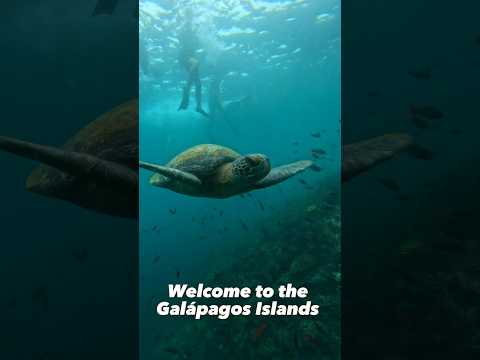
(251, 161)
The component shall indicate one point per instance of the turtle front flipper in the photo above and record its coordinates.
(171, 173)
(362, 156)
(282, 173)
(73, 163)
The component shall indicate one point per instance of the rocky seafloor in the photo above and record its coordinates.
(299, 245)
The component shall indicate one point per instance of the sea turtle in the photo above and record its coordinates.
(96, 169)
(215, 171)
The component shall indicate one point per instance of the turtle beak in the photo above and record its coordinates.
(255, 160)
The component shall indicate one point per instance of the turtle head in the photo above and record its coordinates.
(251, 168)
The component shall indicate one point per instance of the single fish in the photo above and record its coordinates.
(316, 134)
(390, 184)
(12, 302)
(410, 246)
(261, 205)
(81, 255)
(373, 93)
(171, 350)
(421, 73)
(312, 340)
(315, 168)
(295, 341)
(421, 123)
(427, 111)
(259, 331)
(456, 132)
(106, 7)
(39, 293)
(319, 151)
(420, 152)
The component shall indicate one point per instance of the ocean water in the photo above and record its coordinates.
(280, 66)
(60, 71)
(398, 251)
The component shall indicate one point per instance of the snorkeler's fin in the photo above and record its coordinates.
(360, 157)
(203, 112)
(73, 163)
(105, 7)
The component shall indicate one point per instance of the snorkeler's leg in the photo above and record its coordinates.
(186, 93)
(185, 97)
(198, 95)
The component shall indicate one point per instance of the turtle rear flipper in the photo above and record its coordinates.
(282, 173)
(171, 173)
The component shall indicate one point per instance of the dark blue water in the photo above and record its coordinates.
(60, 70)
(389, 293)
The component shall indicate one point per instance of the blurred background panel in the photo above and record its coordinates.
(69, 276)
(410, 240)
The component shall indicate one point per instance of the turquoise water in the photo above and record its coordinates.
(280, 62)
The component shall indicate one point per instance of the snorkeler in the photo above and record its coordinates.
(188, 59)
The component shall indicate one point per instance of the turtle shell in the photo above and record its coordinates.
(203, 160)
(113, 136)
